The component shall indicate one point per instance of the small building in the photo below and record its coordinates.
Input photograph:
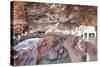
(87, 32)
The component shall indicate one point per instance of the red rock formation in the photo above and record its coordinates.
(27, 56)
(45, 45)
(19, 26)
(18, 10)
(90, 49)
(70, 43)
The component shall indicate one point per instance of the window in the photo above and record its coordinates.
(82, 35)
(85, 34)
(90, 35)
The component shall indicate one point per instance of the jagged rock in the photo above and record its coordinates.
(18, 10)
(46, 44)
(69, 44)
(26, 57)
(61, 12)
(90, 49)
(27, 54)
(19, 26)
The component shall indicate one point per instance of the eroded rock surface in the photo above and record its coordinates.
(19, 26)
(50, 49)
(39, 33)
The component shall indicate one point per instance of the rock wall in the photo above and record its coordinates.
(51, 49)
(40, 15)
(41, 20)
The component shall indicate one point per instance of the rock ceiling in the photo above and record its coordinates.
(41, 15)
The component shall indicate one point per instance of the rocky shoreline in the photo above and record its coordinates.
(47, 33)
(53, 48)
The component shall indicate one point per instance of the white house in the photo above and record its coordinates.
(86, 32)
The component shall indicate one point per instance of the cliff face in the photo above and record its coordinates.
(41, 15)
(32, 44)
(53, 49)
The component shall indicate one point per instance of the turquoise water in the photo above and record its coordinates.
(26, 43)
(62, 60)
